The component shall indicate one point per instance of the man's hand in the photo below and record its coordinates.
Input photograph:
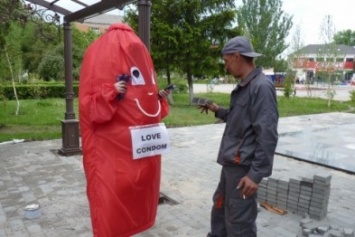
(164, 93)
(121, 87)
(247, 187)
(208, 106)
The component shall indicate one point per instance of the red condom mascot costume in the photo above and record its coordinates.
(123, 192)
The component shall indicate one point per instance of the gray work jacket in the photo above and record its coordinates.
(250, 136)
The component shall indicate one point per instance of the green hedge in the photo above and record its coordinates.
(35, 91)
(56, 90)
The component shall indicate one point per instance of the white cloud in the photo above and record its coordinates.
(309, 17)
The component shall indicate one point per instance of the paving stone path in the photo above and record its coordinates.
(34, 172)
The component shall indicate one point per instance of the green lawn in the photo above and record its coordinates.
(41, 119)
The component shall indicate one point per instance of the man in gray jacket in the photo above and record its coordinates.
(248, 144)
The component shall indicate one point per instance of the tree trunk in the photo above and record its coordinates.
(190, 84)
(170, 96)
(13, 84)
(330, 90)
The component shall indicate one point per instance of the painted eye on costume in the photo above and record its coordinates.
(137, 76)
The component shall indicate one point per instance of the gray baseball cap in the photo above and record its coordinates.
(240, 44)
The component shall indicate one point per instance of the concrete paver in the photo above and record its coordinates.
(34, 172)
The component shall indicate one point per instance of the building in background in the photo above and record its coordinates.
(99, 23)
(311, 60)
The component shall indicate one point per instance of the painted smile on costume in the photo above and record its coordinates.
(137, 79)
(145, 112)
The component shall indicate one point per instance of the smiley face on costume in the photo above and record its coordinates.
(142, 90)
(123, 192)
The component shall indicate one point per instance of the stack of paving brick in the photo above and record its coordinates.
(320, 196)
(271, 192)
(293, 194)
(262, 190)
(282, 193)
(304, 201)
(304, 195)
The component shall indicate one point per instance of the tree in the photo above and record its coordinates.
(81, 40)
(346, 37)
(35, 34)
(295, 63)
(12, 51)
(10, 10)
(33, 47)
(9, 13)
(328, 56)
(185, 36)
(38, 41)
(267, 25)
(280, 65)
(52, 62)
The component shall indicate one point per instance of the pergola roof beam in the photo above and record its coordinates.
(51, 6)
(80, 3)
(99, 7)
(52, 3)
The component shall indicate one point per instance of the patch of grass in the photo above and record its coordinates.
(41, 119)
(302, 106)
(352, 96)
(37, 120)
(30, 133)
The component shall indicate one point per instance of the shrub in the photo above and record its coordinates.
(352, 96)
(36, 91)
(51, 67)
(288, 85)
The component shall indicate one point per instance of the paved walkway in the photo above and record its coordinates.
(33, 171)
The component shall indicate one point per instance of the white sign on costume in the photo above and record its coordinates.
(149, 140)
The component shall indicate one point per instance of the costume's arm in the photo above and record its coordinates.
(264, 116)
(101, 105)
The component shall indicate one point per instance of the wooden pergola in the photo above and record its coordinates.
(70, 125)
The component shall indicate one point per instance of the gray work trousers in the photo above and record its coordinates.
(231, 215)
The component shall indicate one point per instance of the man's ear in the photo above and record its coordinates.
(237, 56)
